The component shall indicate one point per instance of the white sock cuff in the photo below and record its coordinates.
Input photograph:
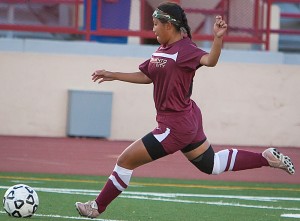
(216, 168)
(122, 170)
(124, 174)
(233, 156)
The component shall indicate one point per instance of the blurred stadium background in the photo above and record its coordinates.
(259, 24)
(49, 48)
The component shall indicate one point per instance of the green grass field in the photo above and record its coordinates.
(161, 199)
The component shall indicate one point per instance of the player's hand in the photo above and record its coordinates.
(102, 75)
(220, 27)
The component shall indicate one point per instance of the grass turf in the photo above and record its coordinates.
(160, 199)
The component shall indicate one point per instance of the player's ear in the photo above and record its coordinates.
(168, 25)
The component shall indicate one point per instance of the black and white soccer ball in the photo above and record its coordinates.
(20, 201)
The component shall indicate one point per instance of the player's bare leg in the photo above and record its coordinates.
(132, 157)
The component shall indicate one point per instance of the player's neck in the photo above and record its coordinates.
(174, 39)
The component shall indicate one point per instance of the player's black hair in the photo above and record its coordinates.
(176, 12)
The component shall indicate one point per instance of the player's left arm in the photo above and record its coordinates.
(211, 59)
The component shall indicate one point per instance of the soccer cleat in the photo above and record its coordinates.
(88, 209)
(278, 160)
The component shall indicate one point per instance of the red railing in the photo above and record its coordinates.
(268, 29)
(258, 32)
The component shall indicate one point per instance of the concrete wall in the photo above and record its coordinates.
(245, 104)
(135, 51)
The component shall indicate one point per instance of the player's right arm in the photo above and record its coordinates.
(135, 77)
(211, 59)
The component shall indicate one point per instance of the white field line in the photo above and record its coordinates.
(291, 215)
(66, 217)
(219, 203)
(177, 197)
(163, 195)
(27, 182)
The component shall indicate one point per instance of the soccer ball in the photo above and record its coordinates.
(20, 201)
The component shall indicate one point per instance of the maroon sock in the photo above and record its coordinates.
(107, 194)
(248, 160)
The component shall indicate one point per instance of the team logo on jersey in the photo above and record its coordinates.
(159, 62)
(159, 58)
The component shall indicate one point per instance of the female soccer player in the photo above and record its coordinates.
(171, 69)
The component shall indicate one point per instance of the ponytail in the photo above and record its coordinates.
(185, 24)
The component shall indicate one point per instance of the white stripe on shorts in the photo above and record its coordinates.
(161, 137)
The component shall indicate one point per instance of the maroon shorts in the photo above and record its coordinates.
(175, 131)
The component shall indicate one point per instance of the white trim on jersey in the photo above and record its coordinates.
(165, 55)
(161, 137)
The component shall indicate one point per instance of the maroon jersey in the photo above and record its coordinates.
(172, 69)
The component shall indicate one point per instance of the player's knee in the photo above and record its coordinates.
(205, 162)
(123, 161)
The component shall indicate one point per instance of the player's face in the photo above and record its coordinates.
(160, 31)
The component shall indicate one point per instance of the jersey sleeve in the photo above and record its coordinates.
(144, 67)
(189, 57)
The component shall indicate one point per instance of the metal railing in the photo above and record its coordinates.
(82, 15)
